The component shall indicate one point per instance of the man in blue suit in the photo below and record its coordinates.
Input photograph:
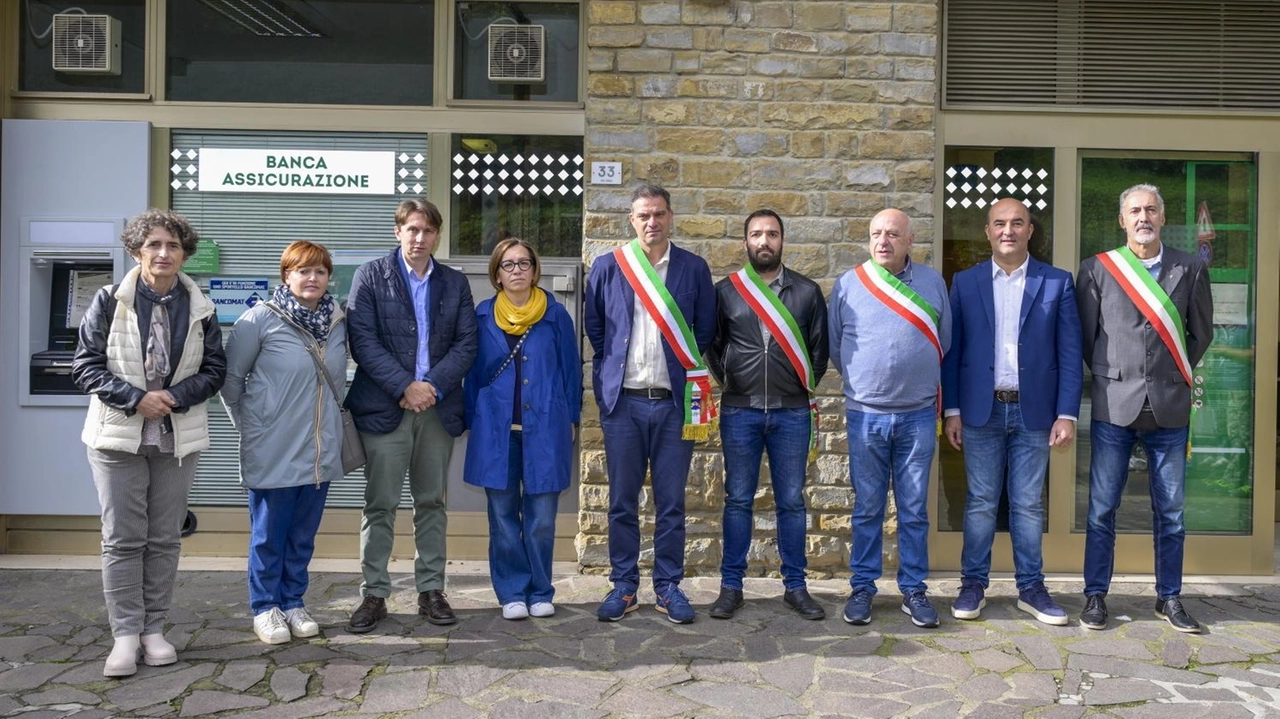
(639, 378)
(1011, 386)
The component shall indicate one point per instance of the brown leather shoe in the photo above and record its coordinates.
(366, 616)
(433, 605)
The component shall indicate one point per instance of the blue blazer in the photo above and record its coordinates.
(1050, 364)
(551, 395)
(610, 301)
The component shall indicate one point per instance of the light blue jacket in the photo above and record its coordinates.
(551, 395)
(290, 428)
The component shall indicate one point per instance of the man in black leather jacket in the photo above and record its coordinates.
(769, 353)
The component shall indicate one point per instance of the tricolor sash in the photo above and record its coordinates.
(1152, 301)
(764, 302)
(904, 301)
(699, 407)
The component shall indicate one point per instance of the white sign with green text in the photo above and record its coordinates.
(343, 172)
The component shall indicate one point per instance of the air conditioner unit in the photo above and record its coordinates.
(516, 53)
(86, 44)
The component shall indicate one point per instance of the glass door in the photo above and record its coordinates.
(1210, 202)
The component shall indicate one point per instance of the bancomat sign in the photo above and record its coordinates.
(346, 172)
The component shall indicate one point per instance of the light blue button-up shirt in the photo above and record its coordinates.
(420, 292)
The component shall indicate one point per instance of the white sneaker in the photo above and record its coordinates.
(542, 609)
(300, 623)
(515, 610)
(157, 651)
(271, 627)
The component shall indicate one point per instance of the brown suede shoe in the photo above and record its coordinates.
(433, 605)
(366, 616)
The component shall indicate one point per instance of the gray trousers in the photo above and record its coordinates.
(422, 447)
(144, 502)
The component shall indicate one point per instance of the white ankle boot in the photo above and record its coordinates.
(157, 651)
(123, 660)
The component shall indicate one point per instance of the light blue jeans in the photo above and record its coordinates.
(1004, 444)
(891, 448)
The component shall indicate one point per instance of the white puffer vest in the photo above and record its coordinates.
(107, 428)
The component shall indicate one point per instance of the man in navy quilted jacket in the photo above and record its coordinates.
(412, 325)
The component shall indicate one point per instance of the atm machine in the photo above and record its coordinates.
(63, 265)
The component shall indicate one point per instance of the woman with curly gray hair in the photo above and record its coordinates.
(150, 354)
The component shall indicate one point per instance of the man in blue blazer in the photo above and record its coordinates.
(1011, 386)
(640, 388)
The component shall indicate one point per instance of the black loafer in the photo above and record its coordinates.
(1172, 611)
(729, 601)
(433, 605)
(1094, 615)
(366, 616)
(803, 604)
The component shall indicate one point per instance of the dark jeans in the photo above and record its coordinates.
(745, 435)
(522, 535)
(282, 537)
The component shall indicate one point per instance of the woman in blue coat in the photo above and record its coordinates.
(523, 402)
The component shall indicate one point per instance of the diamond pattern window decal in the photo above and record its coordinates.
(504, 169)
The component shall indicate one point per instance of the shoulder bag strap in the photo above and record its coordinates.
(514, 351)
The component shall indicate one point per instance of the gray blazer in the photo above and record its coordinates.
(1130, 363)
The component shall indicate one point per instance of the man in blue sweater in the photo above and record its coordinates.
(889, 326)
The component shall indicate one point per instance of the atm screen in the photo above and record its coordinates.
(74, 285)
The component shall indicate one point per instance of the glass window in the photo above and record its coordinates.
(500, 54)
(342, 52)
(974, 179)
(104, 41)
(1209, 209)
(516, 185)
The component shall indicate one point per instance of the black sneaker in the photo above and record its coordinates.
(1172, 611)
(1094, 615)
(729, 601)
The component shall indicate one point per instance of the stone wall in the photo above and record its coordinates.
(823, 111)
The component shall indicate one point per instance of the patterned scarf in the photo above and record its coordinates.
(156, 362)
(316, 321)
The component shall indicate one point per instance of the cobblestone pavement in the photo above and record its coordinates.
(767, 662)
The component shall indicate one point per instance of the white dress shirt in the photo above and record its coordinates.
(646, 364)
(1007, 291)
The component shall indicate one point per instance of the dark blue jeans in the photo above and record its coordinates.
(522, 535)
(745, 435)
(885, 447)
(1108, 473)
(645, 435)
(282, 537)
(1004, 443)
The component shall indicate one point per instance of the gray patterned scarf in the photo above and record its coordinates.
(156, 361)
(316, 321)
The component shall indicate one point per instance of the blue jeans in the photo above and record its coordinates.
(282, 537)
(900, 446)
(745, 434)
(1004, 443)
(522, 535)
(1108, 472)
(645, 435)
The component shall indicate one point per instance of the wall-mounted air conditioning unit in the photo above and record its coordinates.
(516, 53)
(86, 44)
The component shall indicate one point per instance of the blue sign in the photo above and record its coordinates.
(233, 296)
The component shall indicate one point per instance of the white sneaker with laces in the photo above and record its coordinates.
(515, 610)
(300, 623)
(542, 609)
(271, 627)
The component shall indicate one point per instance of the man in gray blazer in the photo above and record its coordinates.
(1147, 315)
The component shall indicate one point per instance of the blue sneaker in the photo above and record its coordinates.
(673, 603)
(922, 613)
(970, 601)
(617, 604)
(858, 609)
(1035, 600)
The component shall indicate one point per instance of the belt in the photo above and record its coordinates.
(517, 428)
(1009, 396)
(648, 392)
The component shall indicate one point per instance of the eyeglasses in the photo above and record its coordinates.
(511, 265)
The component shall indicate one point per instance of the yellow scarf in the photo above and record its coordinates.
(517, 320)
